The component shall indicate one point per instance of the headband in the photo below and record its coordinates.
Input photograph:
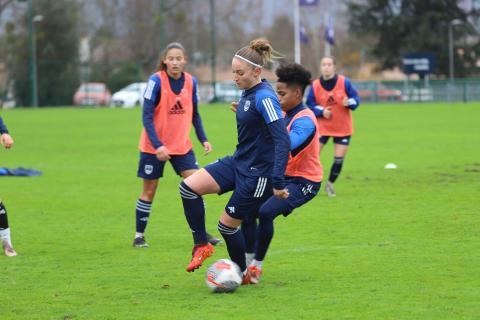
(246, 60)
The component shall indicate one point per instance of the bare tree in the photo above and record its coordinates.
(4, 4)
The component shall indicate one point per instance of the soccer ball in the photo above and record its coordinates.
(223, 276)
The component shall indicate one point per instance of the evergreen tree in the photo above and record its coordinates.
(419, 26)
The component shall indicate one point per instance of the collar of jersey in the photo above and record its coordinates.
(255, 87)
(329, 82)
(293, 111)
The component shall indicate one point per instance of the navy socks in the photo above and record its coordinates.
(235, 244)
(194, 210)
(336, 168)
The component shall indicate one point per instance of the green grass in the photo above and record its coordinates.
(393, 244)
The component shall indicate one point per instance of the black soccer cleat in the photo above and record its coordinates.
(140, 242)
(214, 241)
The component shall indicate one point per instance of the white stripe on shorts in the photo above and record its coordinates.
(262, 182)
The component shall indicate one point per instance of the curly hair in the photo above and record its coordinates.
(294, 74)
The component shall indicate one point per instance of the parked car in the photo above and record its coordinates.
(225, 92)
(130, 96)
(92, 94)
(377, 92)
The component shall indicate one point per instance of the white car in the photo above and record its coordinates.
(130, 96)
(225, 92)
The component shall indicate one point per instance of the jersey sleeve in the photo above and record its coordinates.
(197, 120)
(312, 103)
(279, 133)
(353, 97)
(300, 130)
(3, 127)
(269, 107)
(150, 102)
(195, 91)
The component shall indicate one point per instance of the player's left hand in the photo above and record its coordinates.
(345, 102)
(6, 140)
(207, 148)
(234, 106)
(281, 194)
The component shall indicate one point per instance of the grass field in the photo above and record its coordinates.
(393, 244)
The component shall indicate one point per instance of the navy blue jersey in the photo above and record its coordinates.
(263, 141)
(3, 127)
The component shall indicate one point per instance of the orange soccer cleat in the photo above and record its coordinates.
(200, 253)
(254, 272)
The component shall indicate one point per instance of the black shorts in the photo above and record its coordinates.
(338, 140)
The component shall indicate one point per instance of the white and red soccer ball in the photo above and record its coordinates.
(223, 276)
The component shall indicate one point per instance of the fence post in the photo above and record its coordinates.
(449, 95)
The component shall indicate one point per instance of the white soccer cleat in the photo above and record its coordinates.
(8, 250)
(329, 189)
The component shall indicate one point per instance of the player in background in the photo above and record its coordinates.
(7, 142)
(256, 169)
(332, 98)
(169, 110)
(304, 172)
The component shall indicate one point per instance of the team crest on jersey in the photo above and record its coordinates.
(148, 169)
(246, 106)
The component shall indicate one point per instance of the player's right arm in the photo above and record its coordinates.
(150, 102)
(5, 138)
(319, 111)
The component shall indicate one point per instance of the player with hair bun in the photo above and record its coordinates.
(256, 169)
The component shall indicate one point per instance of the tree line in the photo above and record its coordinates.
(125, 38)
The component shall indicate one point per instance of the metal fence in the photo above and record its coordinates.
(459, 90)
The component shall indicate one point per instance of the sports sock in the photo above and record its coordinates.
(267, 213)
(257, 263)
(5, 236)
(194, 210)
(4, 229)
(264, 236)
(249, 231)
(235, 244)
(3, 216)
(336, 168)
(142, 213)
(249, 258)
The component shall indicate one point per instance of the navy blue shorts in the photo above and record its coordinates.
(338, 140)
(149, 167)
(300, 192)
(249, 192)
